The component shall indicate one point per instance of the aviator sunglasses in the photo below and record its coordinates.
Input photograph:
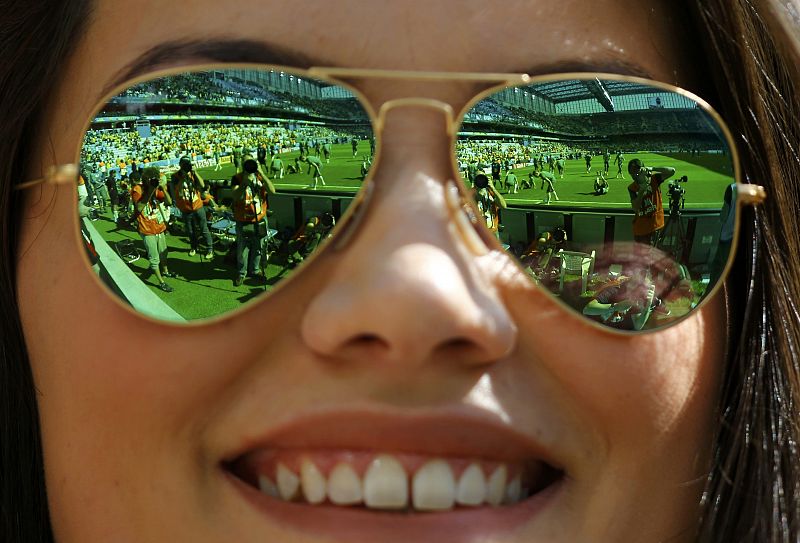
(203, 190)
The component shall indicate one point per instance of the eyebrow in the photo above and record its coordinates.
(258, 52)
(611, 65)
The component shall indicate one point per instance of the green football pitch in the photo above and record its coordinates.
(341, 174)
(709, 175)
(206, 287)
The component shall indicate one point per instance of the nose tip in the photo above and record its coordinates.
(417, 305)
(408, 288)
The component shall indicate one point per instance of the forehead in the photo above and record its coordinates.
(452, 35)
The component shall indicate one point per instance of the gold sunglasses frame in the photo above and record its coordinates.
(747, 194)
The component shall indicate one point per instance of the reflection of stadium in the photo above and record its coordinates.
(580, 246)
(218, 117)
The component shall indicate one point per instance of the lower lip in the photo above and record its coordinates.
(359, 524)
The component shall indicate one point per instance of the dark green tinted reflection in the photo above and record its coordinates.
(313, 140)
(630, 253)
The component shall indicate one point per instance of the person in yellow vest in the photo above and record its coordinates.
(645, 194)
(250, 188)
(188, 186)
(149, 198)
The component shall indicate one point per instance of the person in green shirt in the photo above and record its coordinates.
(549, 180)
(276, 167)
(510, 182)
(315, 168)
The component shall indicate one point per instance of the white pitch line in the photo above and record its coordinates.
(319, 188)
(565, 202)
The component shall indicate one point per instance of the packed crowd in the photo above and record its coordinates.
(202, 89)
(692, 121)
(106, 148)
(511, 154)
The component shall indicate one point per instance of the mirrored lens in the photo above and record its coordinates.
(204, 190)
(617, 197)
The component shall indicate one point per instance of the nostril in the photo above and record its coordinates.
(466, 351)
(369, 341)
(457, 345)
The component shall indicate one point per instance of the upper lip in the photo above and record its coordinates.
(453, 433)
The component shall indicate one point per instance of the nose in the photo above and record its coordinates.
(408, 288)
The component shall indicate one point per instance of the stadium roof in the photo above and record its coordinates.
(569, 91)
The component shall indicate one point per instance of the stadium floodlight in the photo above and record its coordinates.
(598, 90)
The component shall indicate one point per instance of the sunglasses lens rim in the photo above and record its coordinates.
(528, 227)
(340, 202)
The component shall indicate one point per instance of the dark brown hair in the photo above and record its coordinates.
(36, 37)
(752, 487)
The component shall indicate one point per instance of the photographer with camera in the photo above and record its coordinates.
(188, 187)
(645, 194)
(149, 198)
(250, 187)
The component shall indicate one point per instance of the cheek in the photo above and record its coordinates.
(634, 392)
(114, 389)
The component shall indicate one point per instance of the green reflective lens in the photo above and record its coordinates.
(618, 197)
(206, 189)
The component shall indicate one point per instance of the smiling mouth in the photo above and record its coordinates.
(391, 481)
(422, 465)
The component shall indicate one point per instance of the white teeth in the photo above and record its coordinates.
(386, 484)
(344, 486)
(497, 486)
(268, 487)
(471, 486)
(434, 487)
(514, 490)
(288, 483)
(313, 482)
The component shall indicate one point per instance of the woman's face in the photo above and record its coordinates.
(405, 342)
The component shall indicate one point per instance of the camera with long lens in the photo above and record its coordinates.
(250, 166)
(185, 165)
(677, 194)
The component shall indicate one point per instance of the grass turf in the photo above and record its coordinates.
(708, 175)
(705, 188)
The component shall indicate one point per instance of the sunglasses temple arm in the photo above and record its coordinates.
(61, 174)
(751, 194)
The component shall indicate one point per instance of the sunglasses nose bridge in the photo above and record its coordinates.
(428, 103)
